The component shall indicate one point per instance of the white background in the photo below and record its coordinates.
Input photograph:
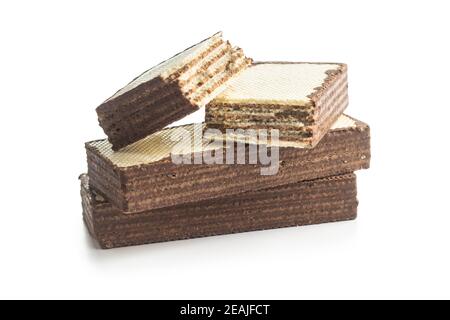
(61, 59)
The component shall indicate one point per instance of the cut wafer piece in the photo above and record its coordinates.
(144, 176)
(170, 91)
(310, 202)
(301, 100)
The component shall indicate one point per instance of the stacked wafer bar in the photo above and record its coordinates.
(137, 191)
(302, 100)
(170, 91)
(143, 176)
(310, 202)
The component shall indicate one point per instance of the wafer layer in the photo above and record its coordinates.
(302, 100)
(143, 176)
(310, 202)
(170, 91)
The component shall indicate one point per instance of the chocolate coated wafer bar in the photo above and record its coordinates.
(311, 202)
(170, 91)
(143, 176)
(302, 100)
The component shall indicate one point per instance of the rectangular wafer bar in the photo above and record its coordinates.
(170, 91)
(143, 176)
(310, 202)
(302, 100)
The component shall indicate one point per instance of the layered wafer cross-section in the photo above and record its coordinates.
(170, 91)
(311, 202)
(301, 100)
(143, 176)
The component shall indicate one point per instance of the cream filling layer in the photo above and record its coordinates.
(216, 85)
(208, 76)
(186, 76)
(342, 122)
